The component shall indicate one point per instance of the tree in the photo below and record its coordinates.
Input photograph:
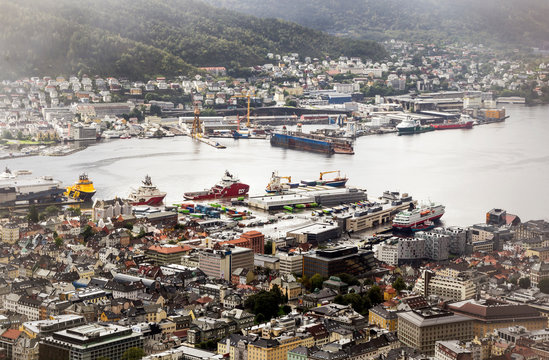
(6, 134)
(265, 303)
(348, 279)
(543, 285)
(399, 284)
(58, 242)
(51, 210)
(316, 282)
(33, 214)
(375, 295)
(87, 233)
(513, 279)
(524, 282)
(155, 110)
(133, 353)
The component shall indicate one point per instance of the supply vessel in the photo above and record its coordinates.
(147, 194)
(228, 187)
(82, 190)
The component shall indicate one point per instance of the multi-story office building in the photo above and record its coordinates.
(420, 329)
(388, 252)
(166, 254)
(291, 263)
(447, 283)
(334, 261)
(221, 263)
(89, 342)
(215, 263)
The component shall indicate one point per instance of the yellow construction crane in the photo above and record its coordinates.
(248, 95)
(329, 172)
(289, 178)
(197, 127)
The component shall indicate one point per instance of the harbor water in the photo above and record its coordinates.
(503, 165)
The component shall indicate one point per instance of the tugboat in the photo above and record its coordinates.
(82, 190)
(411, 126)
(228, 187)
(147, 194)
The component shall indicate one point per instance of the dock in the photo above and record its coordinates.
(210, 142)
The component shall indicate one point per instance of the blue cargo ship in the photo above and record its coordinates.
(301, 141)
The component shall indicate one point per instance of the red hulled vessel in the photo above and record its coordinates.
(147, 194)
(228, 187)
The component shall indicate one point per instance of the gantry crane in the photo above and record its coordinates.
(197, 126)
(248, 95)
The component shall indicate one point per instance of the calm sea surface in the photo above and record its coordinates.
(470, 171)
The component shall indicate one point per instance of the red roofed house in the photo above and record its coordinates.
(252, 240)
(8, 340)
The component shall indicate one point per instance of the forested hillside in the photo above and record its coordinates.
(503, 22)
(137, 38)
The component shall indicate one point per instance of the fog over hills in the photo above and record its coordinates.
(485, 21)
(137, 38)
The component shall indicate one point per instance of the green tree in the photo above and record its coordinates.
(6, 134)
(51, 210)
(524, 282)
(155, 110)
(260, 318)
(399, 284)
(375, 295)
(33, 214)
(265, 303)
(87, 232)
(543, 285)
(348, 279)
(133, 353)
(58, 242)
(305, 281)
(316, 282)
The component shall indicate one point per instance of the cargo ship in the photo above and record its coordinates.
(311, 142)
(228, 187)
(410, 126)
(301, 141)
(464, 122)
(82, 190)
(276, 185)
(147, 194)
(338, 181)
(412, 219)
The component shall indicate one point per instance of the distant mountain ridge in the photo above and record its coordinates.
(139, 38)
(484, 21)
